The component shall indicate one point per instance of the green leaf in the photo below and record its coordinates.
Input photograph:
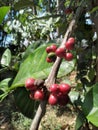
(23, 4)
(3, 11)
(66, 67)
(31, 48)
(26, 105)
(4, 88)
(91, 74)
(90, 105)
(6, 58)
(94, 9)
(4, 84)
(35, 66)
(79, 121)
(73, 96)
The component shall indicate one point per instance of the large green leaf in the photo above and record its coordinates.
(90, 105)
(6, 58)
(35, 66)
(3, 11)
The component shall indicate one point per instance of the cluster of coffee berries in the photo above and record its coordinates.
(36, 92)
(59, 94)
(51, 53)
(62, 52)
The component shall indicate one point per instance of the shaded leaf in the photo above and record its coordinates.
(94, 9)
(23, 4)
(26, 105)
(91, 74)
(79, 121)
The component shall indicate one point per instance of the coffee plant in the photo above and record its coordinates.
(38, 51)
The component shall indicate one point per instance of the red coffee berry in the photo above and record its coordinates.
(60, 52)
(54, 88)
(69, 45)
(63, 100)
(68, 56)
(38, 95)
(72, 40)
(29, 84)
(48, 49)
(49, 60)
(64, 88)
(53, 48)
(52, 99)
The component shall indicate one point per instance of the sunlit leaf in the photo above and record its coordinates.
(4, 84)
(90, 105)
(35, 66)
(6, 58)
(3, 11)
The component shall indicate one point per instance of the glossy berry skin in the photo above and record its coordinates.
(71, 40)
(68, 56)
(48, 49)
(38, 95)
(52, 99)
(60, 52)
(63, 100)
(53, 48)
(64, 88)
(29, 84)
(69, 45)
(49, 60)
(54, 88)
